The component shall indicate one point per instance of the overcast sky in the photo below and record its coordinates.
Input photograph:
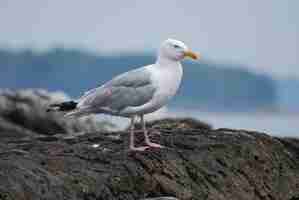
(263, 34)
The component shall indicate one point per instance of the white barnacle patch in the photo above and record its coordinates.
(98, 147)
(95, 145)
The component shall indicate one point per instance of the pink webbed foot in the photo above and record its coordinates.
(139, 148)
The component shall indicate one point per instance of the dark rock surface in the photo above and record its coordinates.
(197, 164)
(176, 124)
(161, 198)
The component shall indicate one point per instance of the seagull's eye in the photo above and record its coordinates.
(176, 46)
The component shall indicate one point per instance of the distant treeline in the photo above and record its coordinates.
(206, 85)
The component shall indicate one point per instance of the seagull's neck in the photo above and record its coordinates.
(162, 61)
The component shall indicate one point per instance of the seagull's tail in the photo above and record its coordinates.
(64, 106)
(77, 113)
(69, 108)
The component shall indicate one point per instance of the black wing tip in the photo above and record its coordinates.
(64, 106)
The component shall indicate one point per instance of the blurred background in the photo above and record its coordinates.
(249, 73)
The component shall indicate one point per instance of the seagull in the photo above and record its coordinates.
(137, 92)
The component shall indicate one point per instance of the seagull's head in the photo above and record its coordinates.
(176, 50)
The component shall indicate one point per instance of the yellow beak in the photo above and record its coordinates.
(191, 55)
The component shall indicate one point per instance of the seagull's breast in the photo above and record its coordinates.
(167, 81)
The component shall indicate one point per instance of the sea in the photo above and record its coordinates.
(275, 124)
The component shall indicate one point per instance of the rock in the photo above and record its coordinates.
(169, 124)
(179, 123)
(197, 164)
(161, 198)
(23, 113)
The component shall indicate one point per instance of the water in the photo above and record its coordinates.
(273, 124)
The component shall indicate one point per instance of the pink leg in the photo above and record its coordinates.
(147, 139)
(132, 145)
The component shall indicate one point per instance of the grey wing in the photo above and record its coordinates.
(133, 88)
